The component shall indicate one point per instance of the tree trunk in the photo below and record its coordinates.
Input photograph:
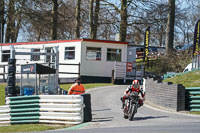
(54, 20)
(19, 24)
(170, 26)
(10, 22)
(39, 33)
(96, 19)
(17, 30)
(2, 20)
(161, 36)
(91, 18)
(78, 18)
(123, 23)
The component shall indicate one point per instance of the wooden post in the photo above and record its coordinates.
(79, 69)
(113, 76)
(4, 71)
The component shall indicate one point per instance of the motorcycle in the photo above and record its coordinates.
(131, 105)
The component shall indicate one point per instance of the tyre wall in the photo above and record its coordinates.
(87, 108)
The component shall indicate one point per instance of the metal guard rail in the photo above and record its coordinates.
(193, 98)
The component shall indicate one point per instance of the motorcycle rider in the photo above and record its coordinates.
(134, 87)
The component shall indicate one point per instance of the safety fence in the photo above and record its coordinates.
(169, 75)
(51, 109)
(66, 71)
(193, 98)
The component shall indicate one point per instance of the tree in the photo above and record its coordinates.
(123, 22)
(91, 17)
(157, 18)
(10, 22)
(94, 18)
(78, 17)
(54, 20)
(2, 20)
(170, 26)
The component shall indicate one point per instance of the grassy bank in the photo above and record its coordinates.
(87, 86)
(30, 127)
(190, 79)
(2, 94)
(64, 86)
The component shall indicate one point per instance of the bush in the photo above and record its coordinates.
(174, 62)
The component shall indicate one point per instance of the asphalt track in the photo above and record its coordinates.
(108, 117)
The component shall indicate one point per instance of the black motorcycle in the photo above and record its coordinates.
(131, 105)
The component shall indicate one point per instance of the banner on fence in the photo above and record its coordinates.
(146, 43)
(196, 42)
(129, 67)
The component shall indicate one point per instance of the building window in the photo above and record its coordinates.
(49, 58)
(69, 53)
(5, 55)
(114, 54)
(93, 53)
(35, 57)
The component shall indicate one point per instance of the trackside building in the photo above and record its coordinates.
(92, 60)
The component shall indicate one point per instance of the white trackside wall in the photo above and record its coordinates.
(97, 68)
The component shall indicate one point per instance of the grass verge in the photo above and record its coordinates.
(64, 86)
(2, 94)
(190, 79)
(30, 127)
(195, 113)
(87, 86)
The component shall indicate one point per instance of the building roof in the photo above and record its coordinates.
(37, 69)
(63, 41)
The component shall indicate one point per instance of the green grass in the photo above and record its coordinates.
(87, 86)
(190, 79)
(2, 94)
(195, 113)
(30, 127)
(64, 86)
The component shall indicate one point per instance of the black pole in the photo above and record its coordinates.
(1, 32)
(11, 77)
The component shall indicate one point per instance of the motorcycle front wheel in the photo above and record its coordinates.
(126, 109)
(132, 111)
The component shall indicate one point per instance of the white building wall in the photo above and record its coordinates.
(101, 68)
(25, 59)
(69, 68)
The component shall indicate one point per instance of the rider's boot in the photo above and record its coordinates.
(141, 102)
(122, 105)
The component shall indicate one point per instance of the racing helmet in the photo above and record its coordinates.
(136, 84)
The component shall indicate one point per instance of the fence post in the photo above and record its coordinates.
(79, 69)
(113, 76)
(4, 71)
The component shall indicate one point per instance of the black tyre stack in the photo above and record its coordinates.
(11, 88)
(87, 109)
